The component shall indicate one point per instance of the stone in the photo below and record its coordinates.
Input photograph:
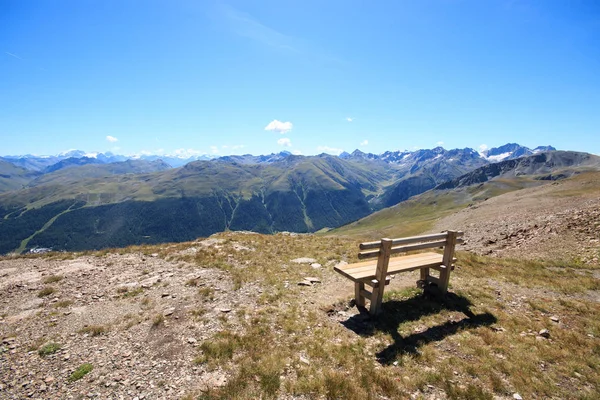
(304, 360)
(312, 279)
(304, 283)
(304, 260)
(191, 340)
(517, 396)
(554, 318)
(169, 311)
(225, 310)
(544, 333)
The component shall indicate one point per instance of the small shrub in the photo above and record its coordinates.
(48, 349)
(48, 290)
(158, 320)
(207, 293)
(132, 293)
(80, 372)
(63, 304)
(94, 330)
(52, 279)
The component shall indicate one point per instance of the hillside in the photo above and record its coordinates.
(13, 177)
(192, 320)
(544, 166)
(117, 204)
(559, 220)
(421, 213)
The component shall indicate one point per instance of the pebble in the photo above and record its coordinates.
(169, 311)
(316, 265)
(554, 318)
(517, 396)
(304, 360)
(225, 310)
(304, 283)
(544, 333)
(304, 260)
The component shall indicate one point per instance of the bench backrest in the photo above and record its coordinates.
(403, 245)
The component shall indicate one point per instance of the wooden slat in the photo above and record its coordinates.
(366, 265)
(408, 240)
(398, 262)
(368, 254)
(401, 241)
(364, 271)
(395, 250)
(414, 247)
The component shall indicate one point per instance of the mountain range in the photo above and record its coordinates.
(82, 202)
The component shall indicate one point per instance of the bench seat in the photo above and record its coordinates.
(365, 271)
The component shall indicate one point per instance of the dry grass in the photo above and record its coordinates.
(52, 279)
(46, 291)
(478, 342)
(471, 344)
(94, 330)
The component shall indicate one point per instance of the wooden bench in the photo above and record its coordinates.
(375, 273)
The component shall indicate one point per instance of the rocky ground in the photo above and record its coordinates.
(136, 318)
(560, 221)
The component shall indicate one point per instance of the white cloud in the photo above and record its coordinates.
(349, 119)
(278, 126)
(214, 149)
(440, 143)
(329, 150)
(112, 139)
(284, 142)
(364, 142)
(483, 148)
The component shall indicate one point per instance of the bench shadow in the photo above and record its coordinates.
(396, 312)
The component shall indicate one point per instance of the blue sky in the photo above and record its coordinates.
(210, 76)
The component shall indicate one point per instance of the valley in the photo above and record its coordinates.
(87, 203)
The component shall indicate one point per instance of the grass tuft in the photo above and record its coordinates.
(80, 372)
(48, 349)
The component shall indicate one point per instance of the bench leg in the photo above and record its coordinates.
(424, 274)
(359, 299)
(376, 299)
(444, 279)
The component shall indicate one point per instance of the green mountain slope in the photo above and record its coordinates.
(13, 177)
(301, 194)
